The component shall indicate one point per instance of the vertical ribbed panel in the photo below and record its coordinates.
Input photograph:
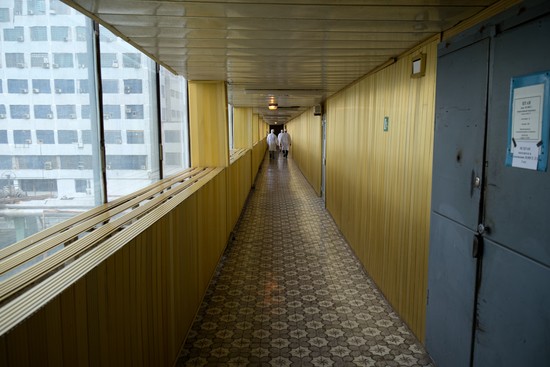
(378, 183)
(306, 136)
(135, 307)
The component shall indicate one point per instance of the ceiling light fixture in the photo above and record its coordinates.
(273, 106)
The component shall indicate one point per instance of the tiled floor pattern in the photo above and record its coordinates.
(289, 291)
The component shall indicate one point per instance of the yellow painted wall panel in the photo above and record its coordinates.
(378, 183)
(306, 136)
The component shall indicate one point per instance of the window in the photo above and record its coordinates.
(4, 15)
(135, 137)
(15, 34)
(81, 185)
(131, 60)
(57, 7)
(173, 159)
(127, 162)
(40, 60)
(18, 7)
(3, 137)
(63, 60)
(86, 137)
(134, 112)
(85, 111)
(15, 60)
(6, 162)
(64, 86)
(113, 137)
(45, 137)
(132, 86)
(60, 33)
(110, 85)
(67, 136)
(41, 86)
(75, 162)
(44, 185)
(39, 115)
(81, 34)
(35, 7)
(39, 33)
(174, 122)
(83, 86)
(109, 60)
(20, 112)
(172, 136)
(66, 111)
(82, 60)
(18, 86)
(43, 112)
(22, 137)
(111, 111)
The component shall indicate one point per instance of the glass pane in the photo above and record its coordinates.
(45, 166)
(175, 136)
(130, 118)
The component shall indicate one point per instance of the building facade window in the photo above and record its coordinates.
(41, 86)
(15, 60)
(4, 15)
(135, 137)
(110, 85)
(113, 137)
(18, 112)
(133, 86)
(64, 86)
(134, 112)
(40, 60)
(66, 111)
(111, 111)
(43, 111)
(22, 137)
(3, 137)
(18, 86)
(36, 7)
(15, 34)
(45, 137)
(39, 33)
(131, 60)
(67, 136)
(63, 60)
(60, 34)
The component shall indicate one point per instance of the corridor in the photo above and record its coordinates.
(289, 291)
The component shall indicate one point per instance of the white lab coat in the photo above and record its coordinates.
(272, 142)
(279, 138)
(285, 141)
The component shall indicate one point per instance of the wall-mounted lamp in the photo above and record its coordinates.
(418, 66)
(272, 106)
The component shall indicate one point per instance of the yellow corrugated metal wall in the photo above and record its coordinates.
(305, 133)
(378, 183)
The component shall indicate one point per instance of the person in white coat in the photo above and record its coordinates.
(272, 143)
(285, 143)
(279, 139)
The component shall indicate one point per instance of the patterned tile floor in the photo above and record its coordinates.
(289, 291)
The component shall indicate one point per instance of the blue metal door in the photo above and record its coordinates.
(489, 265)
(513, 326)
(459, 143)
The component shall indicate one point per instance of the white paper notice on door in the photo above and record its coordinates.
(526, 155)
